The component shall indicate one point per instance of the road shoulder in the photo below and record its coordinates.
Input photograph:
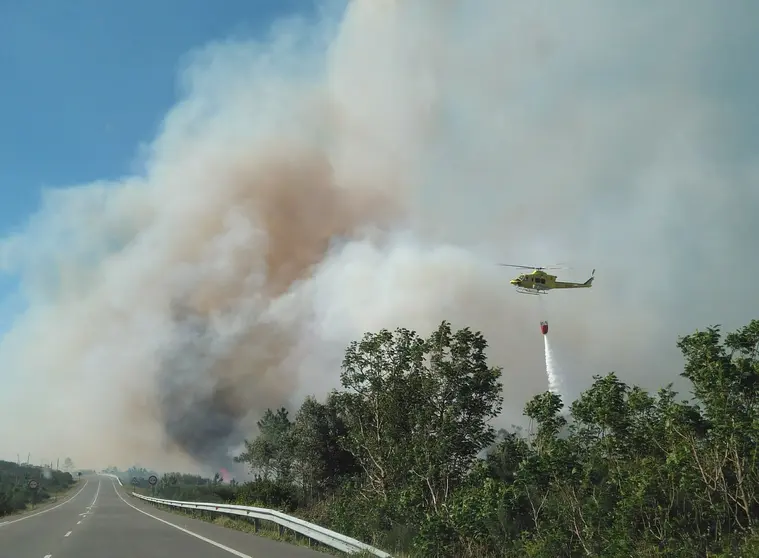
(233, 538)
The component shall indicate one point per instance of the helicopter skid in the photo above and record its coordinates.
(525, 290)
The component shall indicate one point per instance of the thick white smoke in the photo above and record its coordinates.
(367, 170)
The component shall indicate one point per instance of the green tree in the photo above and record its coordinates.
(320, 460)
(725, 378)
(417, 411)
(271, 452)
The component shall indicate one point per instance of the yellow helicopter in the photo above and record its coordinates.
(539, 282)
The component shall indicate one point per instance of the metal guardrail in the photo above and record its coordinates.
(311, 530)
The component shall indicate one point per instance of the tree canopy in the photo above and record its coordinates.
(403, 455)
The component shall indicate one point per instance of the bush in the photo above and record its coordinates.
(14, 492)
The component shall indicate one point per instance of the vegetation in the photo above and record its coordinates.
(403, 456)
(15, 493)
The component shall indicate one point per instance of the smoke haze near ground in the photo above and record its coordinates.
(367, 170)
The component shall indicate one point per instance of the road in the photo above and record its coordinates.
(100, 521)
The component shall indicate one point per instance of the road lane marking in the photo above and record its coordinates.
(48, 556)
(67, 534)
(192, 534)
(95, 499)
(78, 522)
(47, 510)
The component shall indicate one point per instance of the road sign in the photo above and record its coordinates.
(135, 481)
(153, 480)
(33, 484)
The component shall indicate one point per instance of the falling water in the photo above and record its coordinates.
(554, 382)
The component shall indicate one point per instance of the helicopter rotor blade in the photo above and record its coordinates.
(535, 266)
(558, 265)
(521, 266)
(538, 268)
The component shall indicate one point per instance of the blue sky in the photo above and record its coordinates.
(85, 82)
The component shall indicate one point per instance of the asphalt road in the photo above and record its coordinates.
(101, 521)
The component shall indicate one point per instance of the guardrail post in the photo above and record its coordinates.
(256, 525)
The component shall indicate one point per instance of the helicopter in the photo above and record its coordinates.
(539, 282)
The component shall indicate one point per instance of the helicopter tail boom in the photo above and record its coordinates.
(586, 285)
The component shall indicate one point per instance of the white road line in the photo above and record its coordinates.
(78, 522)
(48, 556)
(202, 538)
(67, 534)
(45, 511)
(95, 499)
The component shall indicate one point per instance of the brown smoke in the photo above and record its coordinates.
(300, 209)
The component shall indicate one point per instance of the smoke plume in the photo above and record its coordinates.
(367, 170)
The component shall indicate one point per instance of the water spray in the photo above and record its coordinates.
(554, 382)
